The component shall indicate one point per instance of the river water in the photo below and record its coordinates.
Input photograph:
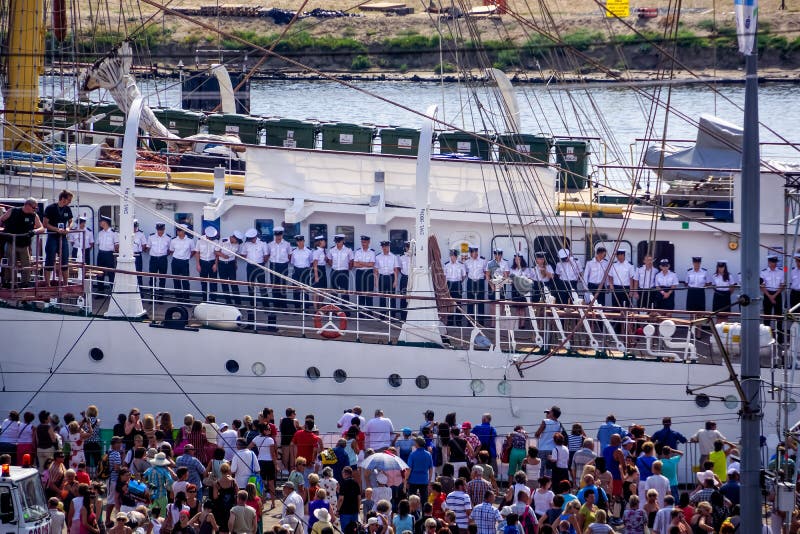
(614, 113)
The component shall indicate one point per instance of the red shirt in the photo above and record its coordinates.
(83, 477)
(437, 503)
(306, 443)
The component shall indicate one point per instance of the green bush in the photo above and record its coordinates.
(507, 58)
(583, 39)
(360, 63)
(444, 68)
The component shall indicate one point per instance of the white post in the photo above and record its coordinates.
(422, 323)
(126, 301)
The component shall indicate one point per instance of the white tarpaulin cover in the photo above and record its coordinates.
(351, 178)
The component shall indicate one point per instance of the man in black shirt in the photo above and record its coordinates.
(18, 224)
(349, 499)
(57, 221)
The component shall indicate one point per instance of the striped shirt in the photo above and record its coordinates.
(486, 518)
(574, 442)
(460, 503)
(476, 489)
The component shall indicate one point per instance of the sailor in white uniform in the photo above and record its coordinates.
(158, 248)
(364, 263)
(595, 276)
(477, 275)
(301, 268)
(724, 283)
(696, 281)
(107, 246)
(340, 260)
(405, 268)
(255, 252)
(139, 246)
(386, 273)
(82, 242)
(278, 252)
(622, 274)
(542, 275)
(794, 295)
(455, 273)
(182, 250)
(207, 262)
(227, 266)
(645, 282)
(319, 263)
(772, 287)
(568, 272)
(665, 281)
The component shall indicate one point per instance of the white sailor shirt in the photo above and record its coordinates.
(646, 277)
(476, 268)
(455, 272)
(386, 263)
(158, 244)
(364, 256)
(526, 272)
(569, 270)
(594, 273)
(301, 258)
(181, 248)
(503, 266)
(279, 252)
(666, 281)
(795, 279)
(139, 242)
(319, 256)
(206, 249)
(722, 284)
(405, 264)
(697, 278)
(227, 250)
(253, 251)
(622, 273)
(535, 273)
(340, 258)
(107, 240)
(773, 279)
(83, 238)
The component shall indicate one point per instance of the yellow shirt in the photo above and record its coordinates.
(720, 468)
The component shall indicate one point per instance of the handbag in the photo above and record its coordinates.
(505, 453)
(255, 478)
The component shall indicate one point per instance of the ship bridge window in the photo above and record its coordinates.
(264, 228)
(657, 249)
(317, 229)
(112, 212)
(397, 241)
(349, 233)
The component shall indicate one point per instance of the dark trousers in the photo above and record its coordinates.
(721, 300)
(696, 299)
(207, 271)
(455, 319)
(775, 309)
(181, 268)
(137, 263)
(255, 274)
(303, 276)
(537, 291)
(622, 296)
(365, 281)
(158, 264)
(794, 298)
(664, 303)
(403, 289)
(87, 255)
(419, 489)
(57, 245)
(279, 293)
(227, 271)
(386, 285)
(647, 298)
(476, 290)
(322, 283)
(105, 258)
(564, 289)
(597, 293)
(341, 280)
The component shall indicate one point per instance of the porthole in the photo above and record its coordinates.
(96, 354)
(395, 380)
(731, 402)
(312, 373)
(702, 400)
(258, 368)
(477, 386)
(504, 387)
(339, 375)
(232, 366)
(422, 382)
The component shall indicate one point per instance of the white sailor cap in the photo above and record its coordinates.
(796, 256)
(81, 219)
(663, 261)
(563, 253)
(180, 228)
(210, 232)
(251, 233)
(620, 251)
(473, 248)
(772, 257)
(136, 222)
(299, 237)
(365, 238)
(539, 254)
(103, 218)
(339, 237)
(319, 238)
(278, 230)
(498, 251)
(385, 243)
(722, 262)
(160, 226)
(238, 235)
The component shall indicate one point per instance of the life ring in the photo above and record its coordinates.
(330, 330)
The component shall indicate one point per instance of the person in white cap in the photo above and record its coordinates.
(301, 267)
(364, 264)
(455, 273)
(697, 279)
(82, 242)
(255, 251)
(386, 272)
(596, 277)
(477, 275)
(182, 249)
(319, 266)
(772, 287)
(340, 260)
(139, 246)
(207, 266)
(568, 272)
(278, 252)
(227, 266)
(107, 245)
(158, 248)
(622, 275)
(665, 282)
(498, 265)
(405, 269)
(724, 283)
(644, 283)
(541, 275)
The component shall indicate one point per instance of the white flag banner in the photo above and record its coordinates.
(746, 20)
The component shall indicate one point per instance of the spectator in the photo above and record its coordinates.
(420, 470)
(458, 502)
(485, 515)
(379, 432)
(195, 469)
(242, 518)
(667, 436)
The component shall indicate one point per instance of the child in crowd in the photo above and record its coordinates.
(533, 467)
(367, 503)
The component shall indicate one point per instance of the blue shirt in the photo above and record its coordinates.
(645, 465)
(342, 460)
(404, 447)
(196, 469)
(731, 490)
(594, 489)
(420, 463)
(607, 430)
(488, 436)
(667, 436)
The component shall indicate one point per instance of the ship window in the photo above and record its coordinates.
(397, 241)
(657, 249)
(314, 230)
(186, 219)
(264, 229)
(258, 368)
(339, 375)
(232, 366)
(349, 234)
(422, 382)
(312, 373)
(395, 380)
(96, 354)
(477, 386)
(550, 246)
(290, 230)
(112, 212)
(702, 400)
(504, 387)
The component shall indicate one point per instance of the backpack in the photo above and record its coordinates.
(528, 523)
(328, 457)
(104, 468)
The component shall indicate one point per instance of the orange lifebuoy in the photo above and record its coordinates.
(330, 330)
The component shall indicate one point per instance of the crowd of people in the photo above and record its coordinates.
(442, 477)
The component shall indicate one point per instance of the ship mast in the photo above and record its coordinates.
(24, 64)
(746, 19)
